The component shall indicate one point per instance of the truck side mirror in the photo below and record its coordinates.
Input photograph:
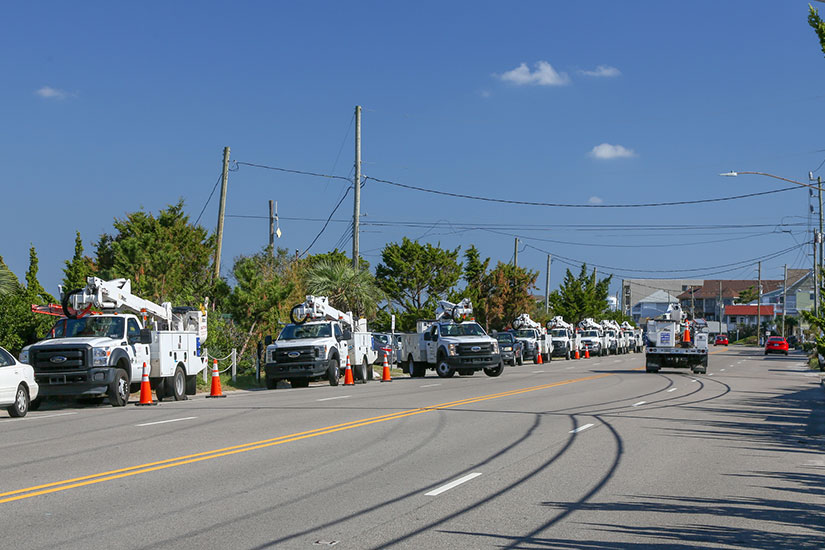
(145, 336)
(268, 339)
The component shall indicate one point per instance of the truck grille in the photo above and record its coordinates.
(58, 359)
(475, 349)
(295, 355)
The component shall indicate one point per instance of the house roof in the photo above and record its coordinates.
(748, 310)
(730, 288)
(659, 297)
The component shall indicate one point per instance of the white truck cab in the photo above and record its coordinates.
(565, 339)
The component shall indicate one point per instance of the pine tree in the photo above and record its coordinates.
(80, 267)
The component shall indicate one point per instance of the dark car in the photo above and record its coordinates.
(512, 350)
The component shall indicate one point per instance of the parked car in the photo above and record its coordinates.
(776, 344)
(382, 343)
(721, 340)
(17, 385)
(512, 350)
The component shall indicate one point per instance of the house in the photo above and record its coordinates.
(653, 305)
(746, 315)
(704, 301)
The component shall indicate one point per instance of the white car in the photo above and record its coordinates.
(17, 385)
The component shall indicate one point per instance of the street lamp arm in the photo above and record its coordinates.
(734, 174)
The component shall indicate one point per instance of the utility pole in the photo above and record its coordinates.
(693, 304)
(784, 298)
(816, 279)
(515, 254)
(356, 213)
(221, 211)
(271, 230)
(721, 307)
(759, 307)
(547, 288)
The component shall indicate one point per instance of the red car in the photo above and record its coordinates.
(776, 344)
(721, 340)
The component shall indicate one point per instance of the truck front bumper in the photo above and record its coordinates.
(474, 362)
(285, 371)
(94, 381)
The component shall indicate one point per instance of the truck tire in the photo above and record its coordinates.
(414, 370)
(494, 371)
(271, 383)
(119, 389)
(178, 384)
(191, 384)
(444, 370)
(20, 407)
(520, 359)
(361, 371)
(567, 355)
(160, 389)
(333, 372)
(299, 382)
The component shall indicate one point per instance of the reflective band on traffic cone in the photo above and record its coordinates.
(385, 376)
(215, 391)
(577, 354)
(348, 374)
(145, 389)
(587, 354)
(539, 360)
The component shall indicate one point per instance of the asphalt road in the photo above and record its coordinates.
(590, 454)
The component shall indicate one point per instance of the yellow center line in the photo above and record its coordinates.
(110, 475)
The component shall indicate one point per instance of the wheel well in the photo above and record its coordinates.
(123, 364)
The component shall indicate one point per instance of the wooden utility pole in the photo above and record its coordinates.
(356, 213)
(271, 228)
(784, 298)
(221, 211)
(759, 307)
(815, 272)
(515, 254)
(547, 288)
(721, 307)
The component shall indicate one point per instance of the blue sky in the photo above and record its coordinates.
(112, 107)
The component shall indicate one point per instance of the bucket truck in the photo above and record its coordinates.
(633, 336)
(593, 338)
(675, 342)
(565, 339)
(616, 343)
(534, 338)
(452, 342)
(316, 344)
(91, 355)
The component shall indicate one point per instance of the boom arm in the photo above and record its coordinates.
(115, 294)
(559, 322)
(590, 324)
(457, 312)
(524, 321)
(317, 308)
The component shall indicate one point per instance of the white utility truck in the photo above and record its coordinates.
(593, 338)
(95, 354)
(565, 339)
(451, 343)
(633, 336)
(533, 337)
(616, 342)
(675, 342)
(315, 346)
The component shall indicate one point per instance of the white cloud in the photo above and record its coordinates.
(603, 71)
(595, 200)
(606, 151)
(47, 92)
(543, 75)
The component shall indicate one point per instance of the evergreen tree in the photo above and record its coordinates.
(76, 270)
(581, 297)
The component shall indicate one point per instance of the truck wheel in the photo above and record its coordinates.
(119, 389)
(520, 359)
(333, 372)
(444, 370)
(413, 370)
(299, 382)
(362, 371)
(191, 384)
(567, 355)
(20, 407)
(271, 383)
(178, 383)
(160, 389)
(494, 371)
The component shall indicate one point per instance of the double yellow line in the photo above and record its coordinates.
(110, 475)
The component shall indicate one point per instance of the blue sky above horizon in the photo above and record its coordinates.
(109, 108)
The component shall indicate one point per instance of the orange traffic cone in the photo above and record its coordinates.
(348, 374)
(577, 355)
(587, 354)
(145, 388)
(385, 375)
(215, 390)
(686, 336)
(539, 360)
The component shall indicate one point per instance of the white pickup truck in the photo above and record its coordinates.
(593, 338)
(533, 337)
(450, 344)
(565, 339)
(315, 346)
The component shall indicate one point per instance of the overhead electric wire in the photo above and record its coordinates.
(327, 222)
(290, 171)
(209, 199)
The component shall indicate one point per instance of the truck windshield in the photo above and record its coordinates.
(295, 332)
(590, 334)
(96, 327)
(525, 333)
(462, 329)
(559, 333)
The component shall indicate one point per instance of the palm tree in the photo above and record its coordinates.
(346, 288)
(8, 281)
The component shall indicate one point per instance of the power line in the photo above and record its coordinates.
(209, 199)
(327, 222)
(290, 171)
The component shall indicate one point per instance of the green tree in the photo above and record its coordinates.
(34, 290)
(8, 280)
(80, 267)
(346, 288)
(475, 273)
(415, 276)
(747, 296)
(818, 26)
(580, 297)
(509, 294)
(166, 257)
(18, 325)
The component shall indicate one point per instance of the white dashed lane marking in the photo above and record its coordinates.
(639, 403)
(166, 421)
(581, 428)
(671, 389)
(336, 397)
(452, 484)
